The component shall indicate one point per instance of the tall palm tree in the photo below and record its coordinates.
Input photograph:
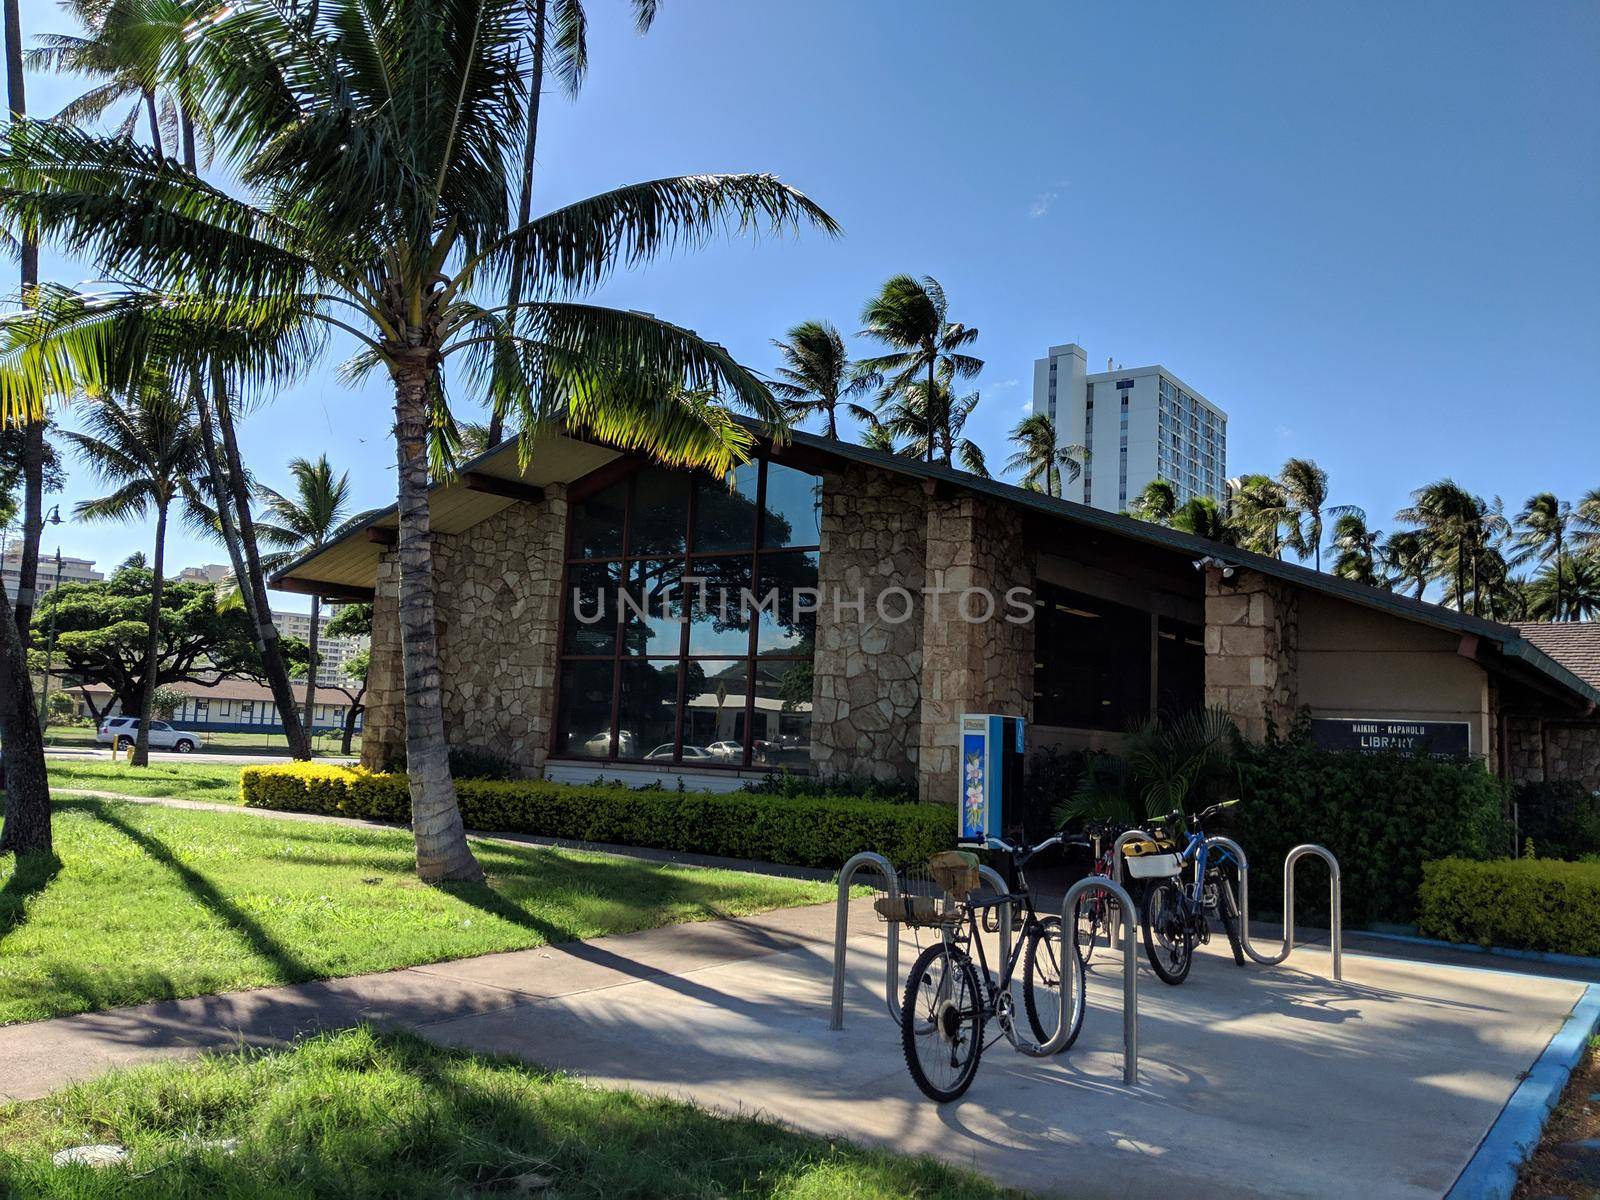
(1459, 529)
(1260, 512)
(877, 436)
(146, 449)
(1305, 492)
(1407, 560)
(1575, 596)
(299, 524)
(912, 317)
(1040, 460)
(932, 422)
(1157, 503)
(558, 44)
(1586, 522)
(817, 376)
(378, 143)
(1357, 547)
(1541, 530)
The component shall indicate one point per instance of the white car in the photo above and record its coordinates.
(690, 753)
(727, 751)
(121, 732)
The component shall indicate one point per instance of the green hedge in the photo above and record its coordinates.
(1382, 816)
(1523, 904)
(807, 831)
(1560, 818)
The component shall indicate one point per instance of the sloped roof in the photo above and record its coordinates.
(1573, 644)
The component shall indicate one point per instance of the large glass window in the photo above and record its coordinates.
(689, 619)
(1091, 661)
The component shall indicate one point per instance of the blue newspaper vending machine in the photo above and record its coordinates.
(991, 773)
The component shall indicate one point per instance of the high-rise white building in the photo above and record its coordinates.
(1137, 424)
(332, 652)
(73, 570)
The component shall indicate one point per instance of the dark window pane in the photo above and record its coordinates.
(782, 732)
(793, 507)
(652, 610)
(725, 519)
(1091, 661)
(647, 717)
(787, 597)
(713, 711)
(715, 591)
(583, 726)
(660, 513)
(592, 608)
(1180, 668)
(596, 523)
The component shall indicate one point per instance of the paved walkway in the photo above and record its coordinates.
(1254, 1081)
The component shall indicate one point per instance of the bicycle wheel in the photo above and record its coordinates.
(1041, 983)
(1093, 913)
(1228, 910)
(1168, 942)
(941, 1022)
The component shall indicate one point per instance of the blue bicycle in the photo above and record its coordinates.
(1175, 906)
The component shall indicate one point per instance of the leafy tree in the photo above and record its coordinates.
(879, 437)
(1260, 511)
(817, 376)
(146, 448)
(918, 415)
(1540, 535)
(379, 143)
(165, 702)
(351, 621)
(1586, 521)
(1203, 517)
(1458, 529)
(1157, 503)
(1407, 560)
(1357, 547)
(912, 317)
(102, 632)
(1573, 595)
(1305, 493)
(314, 516)
(1038, 457)
(60, 708)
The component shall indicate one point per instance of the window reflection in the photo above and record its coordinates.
(647, 714)
(782, 734)
(596, 523)
(591, 625)
(714, 592)
(583, 729)
(652, 607)
(714, 695)
(724, 518)
(660, 514)
(793, 508)
(788, 598)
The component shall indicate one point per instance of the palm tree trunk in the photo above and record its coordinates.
(442, 850)
(833, 425)
(152, 643)
(311, 671)
(1559, 617)
(155, 122)
(525, 196)
(929, 413)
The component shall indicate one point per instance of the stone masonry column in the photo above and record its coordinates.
(383, 724)
(1252, 650)
(973, 658)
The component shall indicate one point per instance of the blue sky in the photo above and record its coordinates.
(1367, 231)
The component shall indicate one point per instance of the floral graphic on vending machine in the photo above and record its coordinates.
(974, 793)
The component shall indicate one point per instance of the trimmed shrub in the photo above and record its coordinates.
(808, 831)
(860, 787)
(1382, 816)
(1522, 904)
(1561, 817)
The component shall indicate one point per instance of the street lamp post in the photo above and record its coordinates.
(50, 643)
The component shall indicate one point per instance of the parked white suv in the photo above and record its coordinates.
(120, 732)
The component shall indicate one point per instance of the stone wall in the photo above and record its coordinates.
(1252, 638)
(1541, 749)
(975, 548)
(866, 700)
(383, 725)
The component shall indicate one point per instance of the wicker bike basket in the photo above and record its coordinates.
(927, 893)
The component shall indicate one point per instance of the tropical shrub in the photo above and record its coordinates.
(1561, 817)
(810, 831)
(1523, 904)
(862, 787)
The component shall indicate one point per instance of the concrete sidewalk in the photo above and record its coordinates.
(1254, 1081)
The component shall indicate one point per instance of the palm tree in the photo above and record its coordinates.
(1575, 596)
(1260, 511)
(1541, 534)
(380, 141)
(912, 316)
(1407, 560)
(308, 521)
(1157, 503)
(1305, 492)
(1586, 522)
(817, 376)
(878, 436)
(1357, 547)
(146, 449)
(1040, 460)
(1203, 517)
(1458, 529)
(932, 422)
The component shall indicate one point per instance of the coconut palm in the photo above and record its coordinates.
(1575, 596)
(1586, 522)
(1305, 493)
(1203, 517)
(912, 317)
(879, 437)
(310, 519)
(1260, 511)
(378, 143)
(1357, 547)
(1459, 529)
(1407, 560)
(1040, 459)
(146, 448)
(817, 376)
(1541, 531)
(932, 423)
(1157, 503)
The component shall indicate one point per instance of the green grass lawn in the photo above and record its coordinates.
(362, 1115)
(152, 903)
(217, 782)
(230, 743)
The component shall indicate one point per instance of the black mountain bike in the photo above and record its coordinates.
(952, 994)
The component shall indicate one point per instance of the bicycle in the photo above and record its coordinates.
(949, 999)
(1096, 913)
(1174, 911)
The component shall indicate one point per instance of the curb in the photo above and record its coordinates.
(1544, 956)
(1492, 1172)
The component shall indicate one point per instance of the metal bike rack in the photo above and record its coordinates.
(1125, 915)
(1130, 972)
(1335, 898)
(841, 928)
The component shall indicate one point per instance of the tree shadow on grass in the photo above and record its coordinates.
(32, 875)
(290, 966)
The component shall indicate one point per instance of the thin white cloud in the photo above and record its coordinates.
(1041, 204)
(1283, 432)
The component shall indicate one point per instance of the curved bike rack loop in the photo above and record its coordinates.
(841, 928)
(1117, 864)
(1335, 898)
(1130, 972)
(993, 878)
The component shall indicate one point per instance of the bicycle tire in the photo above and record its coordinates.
(1037, 978)
(1176, 971)
(1227, 909)
(916, 1028)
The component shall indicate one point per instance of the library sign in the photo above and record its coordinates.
(1370, 735)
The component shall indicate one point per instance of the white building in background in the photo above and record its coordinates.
(333, 652)
(210, 573)
(73, 570)
(1138, 424)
